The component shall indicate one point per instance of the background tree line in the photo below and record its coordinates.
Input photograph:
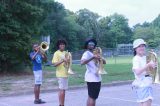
(23, 22)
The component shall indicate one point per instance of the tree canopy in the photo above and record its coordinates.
(23, 22)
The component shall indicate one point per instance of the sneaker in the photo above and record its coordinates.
(39, 101)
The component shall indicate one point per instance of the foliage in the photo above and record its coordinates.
(23, 22)
(149, 31)
(18, 21)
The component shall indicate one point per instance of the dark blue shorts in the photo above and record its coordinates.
(93, 89)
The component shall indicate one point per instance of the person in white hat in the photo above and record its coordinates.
(142, 85)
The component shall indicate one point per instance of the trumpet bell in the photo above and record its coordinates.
(44, 46)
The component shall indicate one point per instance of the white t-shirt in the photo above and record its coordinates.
(91, 74)
(139, 62)
(140, 80)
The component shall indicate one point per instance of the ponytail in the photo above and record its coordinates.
(134, 52)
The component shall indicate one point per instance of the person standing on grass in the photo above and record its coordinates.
(142, 85)
(61, 73)
(37, 57)
(92, 78)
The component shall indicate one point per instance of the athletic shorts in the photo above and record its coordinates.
(144, 94)
(38, 77)
(93, 89)
(63, 83)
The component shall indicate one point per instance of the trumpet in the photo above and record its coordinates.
(68, 64)
(99, 63)
(153, 72)
(44, 46)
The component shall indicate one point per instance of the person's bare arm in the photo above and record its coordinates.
(33, 57)
(141, 70)
(44, 56)
(83, 62)
(60, 62)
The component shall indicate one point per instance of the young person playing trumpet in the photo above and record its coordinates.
(37, 56)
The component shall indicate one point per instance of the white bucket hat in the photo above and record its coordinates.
(138, 42)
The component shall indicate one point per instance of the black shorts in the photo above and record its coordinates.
(93, 89)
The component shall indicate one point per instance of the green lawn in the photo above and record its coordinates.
(119, 60)
(118, 70)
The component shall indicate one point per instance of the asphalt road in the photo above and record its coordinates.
(109, 96)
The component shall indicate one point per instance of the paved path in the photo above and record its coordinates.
(109, 96)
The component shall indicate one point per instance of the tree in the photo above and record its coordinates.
(61, 23)
(115, 30)
(89, 21)
(18, 21)
(150, 32)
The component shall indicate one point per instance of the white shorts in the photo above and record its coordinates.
(38, 77)
(63, 83)
(143, 93)
(143, 89)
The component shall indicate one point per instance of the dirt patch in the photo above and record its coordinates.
(22, 83)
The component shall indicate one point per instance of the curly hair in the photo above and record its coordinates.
(61, 41)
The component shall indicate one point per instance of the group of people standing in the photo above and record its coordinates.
(141, 85)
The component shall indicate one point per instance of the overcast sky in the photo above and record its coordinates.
(137, 11)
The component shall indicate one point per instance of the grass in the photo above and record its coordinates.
(118, 69)
(119, 60)
(117, 72)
